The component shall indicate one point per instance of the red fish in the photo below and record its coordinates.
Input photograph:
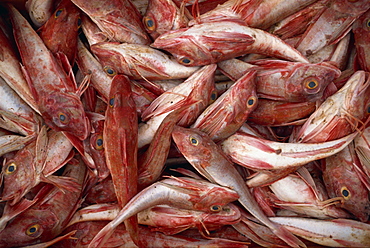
(55, 93)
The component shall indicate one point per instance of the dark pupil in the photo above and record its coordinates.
(32, 229)
(345, 193)
(79, 22)
(250, 102)
(111, 101)
(62, 117)
(312, 84)
(110, 71)
(58, 13)
(213, 96)
(150, 23)
(215, 208)
(186, 61)
(368, 110)
(11, 168)
(193, 141)
(99, 142)
(368, 23)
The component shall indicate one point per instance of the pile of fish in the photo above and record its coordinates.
(181, 123)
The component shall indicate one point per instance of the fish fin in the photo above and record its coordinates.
(42, 142)
(11, 211)
(63, 61)
(63, 183)
(29, 82)
(17, 124)
(138, 65)
(53, 241)
(288, 237)
(245, 8)
(49, 170)
(103, 235)
(228, 39)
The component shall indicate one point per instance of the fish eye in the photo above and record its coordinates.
(368, 109)
(345, 193)
(216, 208)
(109, 71)
(251, 101)
(33, 230)
(111, 102)
(194, 141)
(99, 142)
(311, 84)
(11, 168)
(149, 23)
(368, 23)
(63, 118)
(213, 96)
(58, 12)
(186, 61)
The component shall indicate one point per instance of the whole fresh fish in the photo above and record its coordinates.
(213, 42)
(55, 93)
(120, 146)
(139, 61)
(184, 193)
(229, 111)
(210, 161)
(157, 217)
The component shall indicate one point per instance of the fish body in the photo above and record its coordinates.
(208, 43)
(54, 91)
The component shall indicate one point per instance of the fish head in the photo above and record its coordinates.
(162, 16)
(109, 58)
(356, 199)
(313, 80)
(186, 49)
(230, 214)
(64, 112)
(30, 227)
(19, 175)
